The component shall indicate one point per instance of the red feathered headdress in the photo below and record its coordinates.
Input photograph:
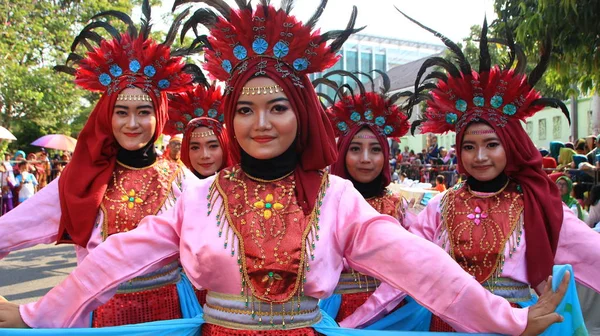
(128, 60)
(201, 101)
(238, 36)
(502, 98)
(376, 109)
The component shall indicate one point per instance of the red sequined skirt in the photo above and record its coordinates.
(215, 330)
(201, 296)
(351, 302)
(138, 307)
(437, 324)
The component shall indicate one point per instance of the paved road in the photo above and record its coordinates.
(28, 274)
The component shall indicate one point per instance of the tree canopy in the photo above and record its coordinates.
(574, 28)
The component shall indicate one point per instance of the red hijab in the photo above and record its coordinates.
(543, 213)
(315, 142)
(217, 128)
(339, 166)
(84, 180)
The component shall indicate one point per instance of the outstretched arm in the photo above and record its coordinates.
(31, 223)
(121, 257)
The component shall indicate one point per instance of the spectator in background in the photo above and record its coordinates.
(555, 147)
(569, 145)
(406, 154)
(565, 187)
(590, 143)
(440, 184)
(26, 182)
(594, 207)
(548, 162)
(565, 158)
(173, 151)
(580, 147)
(45, 169)
(593, 155)
(7, 182)
(433, 152)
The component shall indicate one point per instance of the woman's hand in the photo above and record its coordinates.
(10, 316)
(542, 314)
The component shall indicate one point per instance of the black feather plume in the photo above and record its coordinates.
(202, 16)
(485, 62)
(315, 17)
(414, 125)
(172, 34)
(336, 45)
(219, 5)
(146, 13)
(73, 57)
(196, 73)
(101, 24)
(327, 98)
(437, 75)
(436, 61)
(537, 72)
(66, 69)
(393, 98)
(386, 81)
(465, 67)
(340, 92)
(131, 29)
(345, 73)
(287, 5)
(369, 77)
(244, 5)
(553, 102)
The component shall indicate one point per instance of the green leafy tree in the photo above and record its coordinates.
(574, 28)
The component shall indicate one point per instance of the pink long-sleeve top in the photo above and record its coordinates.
(577, 245)
(386, 297)
(36, 221)
(373, 244)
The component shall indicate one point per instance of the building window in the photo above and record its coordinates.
(351, 60)
(366, 63)
(542, 129)
(529, 128)
(556, 128)
(380, 62)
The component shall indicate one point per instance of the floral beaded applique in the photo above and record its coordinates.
(275, 238)
(480, 226)
(133, 194)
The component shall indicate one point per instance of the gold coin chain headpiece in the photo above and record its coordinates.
(261, 90)
(126, 97)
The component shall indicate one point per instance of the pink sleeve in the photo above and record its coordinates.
(32, 222)
(376, 245)
(578, 246)
(427, 221)
(154, 243)
(380, 303)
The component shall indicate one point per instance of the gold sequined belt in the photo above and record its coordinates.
(241, 312)
(511, 290)
(355, 282)
(168, 274)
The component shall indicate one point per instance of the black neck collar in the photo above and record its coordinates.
(369, 189)
(140, 158)
(270, 169)
(488, 186)
(198, 175)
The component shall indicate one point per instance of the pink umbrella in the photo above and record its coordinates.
(56, 141)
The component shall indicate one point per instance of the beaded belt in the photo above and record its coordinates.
(512, 290)
(237, 312)
(355, 282)
(168, 274)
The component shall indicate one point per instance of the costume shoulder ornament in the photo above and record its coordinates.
(274, 36)
(461, 94)
(377, 109)
(131, 56)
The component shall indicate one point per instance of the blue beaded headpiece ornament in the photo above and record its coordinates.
(250, 39)
(129, 57)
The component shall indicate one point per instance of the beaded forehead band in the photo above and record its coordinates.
(126, 97)
(365, 137)
(261, 90)
(490, 131)
(202, 134)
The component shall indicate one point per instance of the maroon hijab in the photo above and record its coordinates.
(315, 142)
